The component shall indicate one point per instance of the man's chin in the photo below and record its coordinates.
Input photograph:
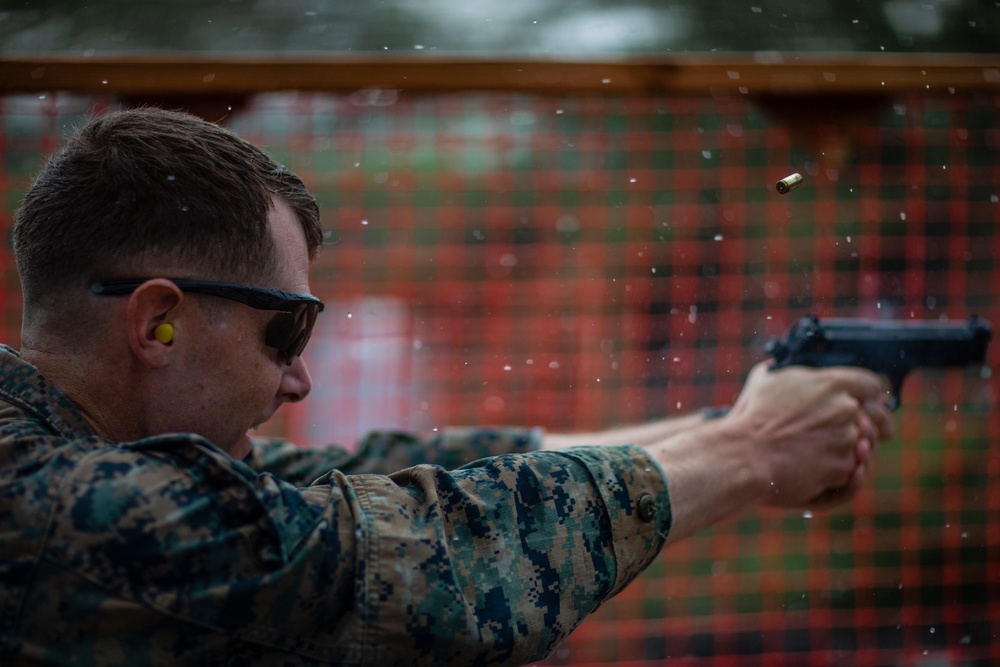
(242, 447)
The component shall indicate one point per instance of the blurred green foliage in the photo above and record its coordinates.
(557, 28)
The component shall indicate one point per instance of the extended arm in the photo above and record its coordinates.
(640, 434)
(385, 452)
(795, 438)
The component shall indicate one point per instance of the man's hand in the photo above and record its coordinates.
(796, 437)
(819, 429)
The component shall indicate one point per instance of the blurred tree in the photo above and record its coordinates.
(596, 28)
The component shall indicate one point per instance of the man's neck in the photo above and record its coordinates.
(96, 397)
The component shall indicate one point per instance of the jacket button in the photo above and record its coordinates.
(646, 508)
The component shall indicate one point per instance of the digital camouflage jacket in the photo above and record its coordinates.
(166, 551)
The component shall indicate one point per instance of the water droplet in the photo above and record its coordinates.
(807, 514)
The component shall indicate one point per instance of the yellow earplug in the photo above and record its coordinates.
(164, 333)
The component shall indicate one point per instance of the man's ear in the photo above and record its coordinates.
(154, 321)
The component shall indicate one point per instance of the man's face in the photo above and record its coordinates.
(238, 381)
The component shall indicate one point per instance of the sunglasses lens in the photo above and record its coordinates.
(289, 332)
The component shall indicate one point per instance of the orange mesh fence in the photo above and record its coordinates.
(582, 262)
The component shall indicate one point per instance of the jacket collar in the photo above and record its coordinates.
(22, 386)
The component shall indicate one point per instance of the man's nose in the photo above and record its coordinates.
(296, 383)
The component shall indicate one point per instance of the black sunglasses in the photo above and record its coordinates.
(288, 331)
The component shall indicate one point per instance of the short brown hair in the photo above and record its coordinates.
(147, 183)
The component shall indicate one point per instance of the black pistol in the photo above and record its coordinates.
(890, 347)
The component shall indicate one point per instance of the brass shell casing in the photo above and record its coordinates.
(788, 183)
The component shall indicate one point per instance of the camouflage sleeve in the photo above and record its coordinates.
(174, 552)
(515, 551)
(384, 452)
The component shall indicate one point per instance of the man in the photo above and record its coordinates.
(164, 265)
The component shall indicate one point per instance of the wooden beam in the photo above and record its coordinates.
(752, 74)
